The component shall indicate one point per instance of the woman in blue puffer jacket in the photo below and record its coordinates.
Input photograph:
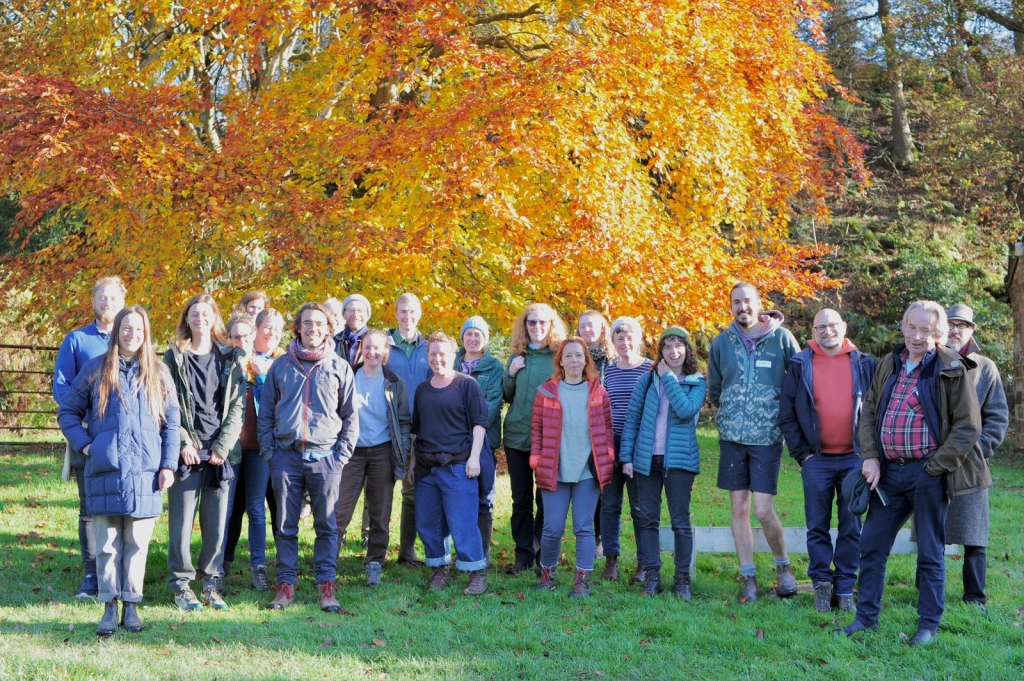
(659, 445)
(122, 412)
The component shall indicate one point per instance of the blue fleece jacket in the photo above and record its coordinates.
(685, 398)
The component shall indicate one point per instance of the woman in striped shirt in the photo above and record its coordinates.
(619, 380)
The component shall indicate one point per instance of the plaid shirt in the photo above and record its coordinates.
(905, 432)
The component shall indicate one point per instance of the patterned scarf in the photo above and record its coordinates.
(314, 355)
(598, 355)
(470, 367)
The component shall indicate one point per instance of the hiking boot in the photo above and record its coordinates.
(186, 600)
(547, 579)
(681, 587)
(325, 597)
(227, 569)
(89, 588)
(787, 581)
(130, 619)
(373, 570)
(513, 570)
(285, 596)
(439, 578)
(213, 595)
(845, 602)
(749, 592)
(108, 623)
(260, 579)
(611, 569)
(477, 583)
(580, 587)
(652, 582)
(638, 576)
(823, 596)
(486, 524)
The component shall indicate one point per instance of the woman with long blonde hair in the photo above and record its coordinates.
(536, 334)
(131, 445)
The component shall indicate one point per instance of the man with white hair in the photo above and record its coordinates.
(967, 522)
(919, 422)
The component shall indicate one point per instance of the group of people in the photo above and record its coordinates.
(231, 422)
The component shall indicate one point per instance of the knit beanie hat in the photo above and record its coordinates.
(677, 331)
(630, 322)
(358, 298)
(478, 323)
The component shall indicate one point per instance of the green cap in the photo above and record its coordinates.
(677, 331)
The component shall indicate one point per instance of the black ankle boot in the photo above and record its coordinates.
(130, 619)
(108, 624)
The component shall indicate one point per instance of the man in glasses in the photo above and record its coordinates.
(307, 431)
(355, 310)
(819, 413)
(967, 522)
(919, 423)
(747, 365)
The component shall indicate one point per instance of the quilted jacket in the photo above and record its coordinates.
(546, 434)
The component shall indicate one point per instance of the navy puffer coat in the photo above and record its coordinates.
(127, 447)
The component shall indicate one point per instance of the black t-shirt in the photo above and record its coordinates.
(204, 372)
(443, 420)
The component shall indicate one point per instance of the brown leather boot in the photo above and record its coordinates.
(611, 569)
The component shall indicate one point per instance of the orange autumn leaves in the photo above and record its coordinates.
(631, 156)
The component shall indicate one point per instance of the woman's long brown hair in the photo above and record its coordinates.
(154, 378)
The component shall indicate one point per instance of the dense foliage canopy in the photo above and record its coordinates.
(636, 156)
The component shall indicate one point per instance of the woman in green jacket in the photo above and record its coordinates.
(536, 335)
(210, 383)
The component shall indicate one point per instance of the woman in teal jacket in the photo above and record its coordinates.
(475, 359)
(659, 446)
(536, 335)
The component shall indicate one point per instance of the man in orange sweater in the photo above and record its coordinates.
(819, 413)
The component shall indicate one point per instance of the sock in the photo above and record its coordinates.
(779, 562)
(748, 571)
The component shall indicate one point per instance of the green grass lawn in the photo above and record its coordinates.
(400, 630)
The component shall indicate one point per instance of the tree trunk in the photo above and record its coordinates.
(904, 151)
(1016, 389)
(1018, 38)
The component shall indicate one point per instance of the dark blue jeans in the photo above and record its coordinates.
(911, 491)
(611, 510)
(248, 492)
(485, 481)
(678, 486)
(823, 482)
(291, 477)
(447, 503)
(86, 541)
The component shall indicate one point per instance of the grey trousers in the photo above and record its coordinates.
(184, 498)
(583, 496)
(122, 544)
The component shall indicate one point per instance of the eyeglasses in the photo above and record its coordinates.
(831, 327)
(960, 327)
(314, 325)
(538, 322)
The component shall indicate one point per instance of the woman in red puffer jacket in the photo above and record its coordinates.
(573, 454)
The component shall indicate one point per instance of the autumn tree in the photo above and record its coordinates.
(631, 155)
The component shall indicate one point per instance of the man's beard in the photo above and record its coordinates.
(954, 345)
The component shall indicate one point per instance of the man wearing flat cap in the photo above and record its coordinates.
(819, 411)
(967, 522)
(920, 421)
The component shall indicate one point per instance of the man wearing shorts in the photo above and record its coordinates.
(746, 369)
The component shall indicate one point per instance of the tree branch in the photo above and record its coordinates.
(1015, 25)
(506, 16)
